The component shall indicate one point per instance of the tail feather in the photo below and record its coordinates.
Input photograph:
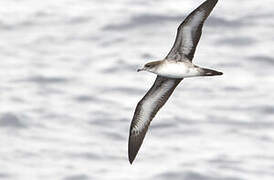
(210, 72)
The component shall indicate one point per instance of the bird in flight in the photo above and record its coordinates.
(170, 71)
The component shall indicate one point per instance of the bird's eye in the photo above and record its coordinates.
(147, 65)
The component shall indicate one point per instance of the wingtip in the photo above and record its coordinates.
(213, 2)
(130, 161)
(131, 155)
(210, 3)
(131, 158)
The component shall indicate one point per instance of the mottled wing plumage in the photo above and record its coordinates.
(189, 32)
(145, 111)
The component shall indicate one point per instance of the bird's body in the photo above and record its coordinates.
(177, 69)
(170, 72)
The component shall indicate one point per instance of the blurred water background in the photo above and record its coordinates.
(69, 88)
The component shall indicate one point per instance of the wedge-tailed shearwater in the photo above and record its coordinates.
(170, 72)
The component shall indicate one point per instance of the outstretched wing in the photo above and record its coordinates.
(189, 32)
(145, 111)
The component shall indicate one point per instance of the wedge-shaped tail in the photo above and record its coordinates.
(210, 72)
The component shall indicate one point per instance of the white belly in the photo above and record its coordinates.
(177, 70)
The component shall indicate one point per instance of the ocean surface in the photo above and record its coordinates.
(69, 88)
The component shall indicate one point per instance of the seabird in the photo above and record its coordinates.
(170, 72)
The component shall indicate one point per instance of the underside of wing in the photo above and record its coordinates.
(145, 111)
(189, 32)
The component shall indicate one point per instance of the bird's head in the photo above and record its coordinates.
(151, 66)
